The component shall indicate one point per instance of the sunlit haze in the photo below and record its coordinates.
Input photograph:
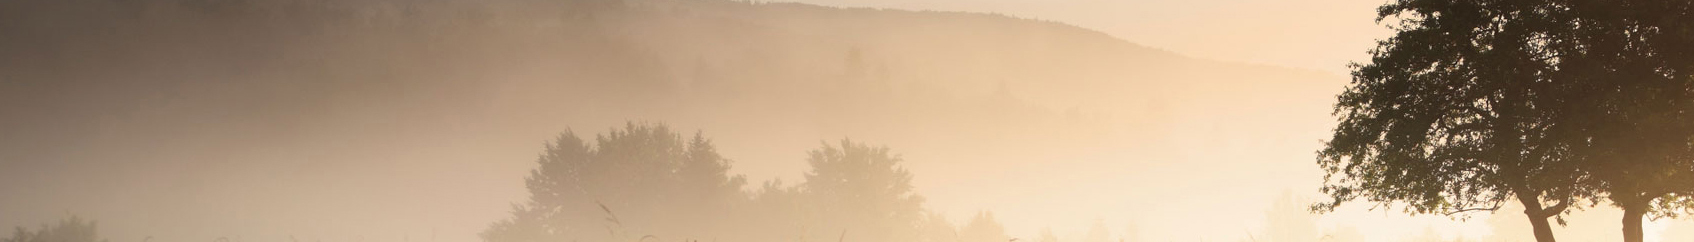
(431, 120)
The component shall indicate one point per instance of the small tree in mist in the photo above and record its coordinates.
(643, 179)
(781, 208)
(936, 228)
(646, 180)
(862, 191)
(983, 228)
(73, 229)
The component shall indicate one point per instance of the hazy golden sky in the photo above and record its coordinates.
(372, 140)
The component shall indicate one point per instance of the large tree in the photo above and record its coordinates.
(1626, 78)
(1451, 115)
(1474, 100)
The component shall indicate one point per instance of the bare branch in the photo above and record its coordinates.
(1465, 210)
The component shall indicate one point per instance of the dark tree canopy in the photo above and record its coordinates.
(1451, 115)
(1474, 103)
(1627, 80)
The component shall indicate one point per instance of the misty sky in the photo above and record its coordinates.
(1208, 134)
(1322, 35)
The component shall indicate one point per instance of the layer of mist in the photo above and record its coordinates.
(392, 120)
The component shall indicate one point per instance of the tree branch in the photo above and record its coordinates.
(1465, 210)
(1555, 209)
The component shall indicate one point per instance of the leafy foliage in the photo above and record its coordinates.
(1474, 103)
(1627, 74)
(863, 188)
(1453, 114)
(983, 228)
(1450, 114)
(646, 181)
(658, 183)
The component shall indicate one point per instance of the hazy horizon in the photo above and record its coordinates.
(379, 120)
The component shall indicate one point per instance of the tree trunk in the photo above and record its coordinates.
(1543, 230)
(1537, 219)
(1632, 215)
(1634, 205)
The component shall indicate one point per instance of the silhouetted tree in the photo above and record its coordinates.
(1548, 100)
(73, 229)
(983, 228)
(645, 180)
(781, 210)
(862, 191)
(705, 174)
(1626, 73)
(1452, 115)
